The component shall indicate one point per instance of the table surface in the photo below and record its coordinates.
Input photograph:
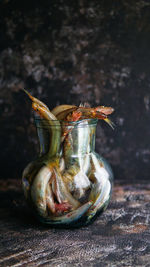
(119, 237)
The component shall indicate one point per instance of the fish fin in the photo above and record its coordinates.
(81, 105)
(86, 105)
(111, 124)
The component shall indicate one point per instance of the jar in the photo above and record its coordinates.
(69, 184)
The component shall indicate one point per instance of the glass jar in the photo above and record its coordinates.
(69, 184)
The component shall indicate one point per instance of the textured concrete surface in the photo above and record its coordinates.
(70, 52)
(119, 237)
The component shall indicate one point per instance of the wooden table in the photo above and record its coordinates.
(119, 237)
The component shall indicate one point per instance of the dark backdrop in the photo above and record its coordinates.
(70, 52)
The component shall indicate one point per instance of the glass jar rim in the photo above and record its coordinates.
(43, 123)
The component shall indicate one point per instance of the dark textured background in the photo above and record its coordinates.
(70, 52)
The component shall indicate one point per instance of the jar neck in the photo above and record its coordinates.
(79, 137)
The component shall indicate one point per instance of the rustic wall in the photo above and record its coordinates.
(74, 51)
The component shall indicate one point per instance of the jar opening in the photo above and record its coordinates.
(42, 123)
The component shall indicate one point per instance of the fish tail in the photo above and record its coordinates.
(29, 95)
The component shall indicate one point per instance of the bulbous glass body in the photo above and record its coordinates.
(68, 184)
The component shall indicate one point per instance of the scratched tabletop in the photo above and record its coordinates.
(118, 237)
